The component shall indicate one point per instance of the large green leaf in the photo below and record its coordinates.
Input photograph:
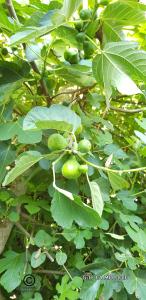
(65, 211)
(32, 52)
(78, 236)
(11, 72)
(117, 182)
(118, 66)
(69, 7)
(11, 77)
(5, 22)
(13, 265)
(43, 239)
(6, 90)
(57, 117)
(111, 32)
(140, 288)
(130, 282)
(23, 163)
(61, 258)
(124, 12)
(138, 236)
(135, 283)
(89, 289)
(128, 200)
(96, 196)
(37, 259)
(7, 156)
(52, 20)
(104, 186)
(109, 287)
(67, 34)
(11, 129)
(77, 74)
(116, 15)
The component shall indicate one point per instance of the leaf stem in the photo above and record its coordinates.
(49, 256)
(139, 193)
(67, 272)
(111, 271)
(62, 191)
(91, 41)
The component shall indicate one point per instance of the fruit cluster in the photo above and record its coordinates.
(71, 169)
(73, 55)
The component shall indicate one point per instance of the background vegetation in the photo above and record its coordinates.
(78, 69)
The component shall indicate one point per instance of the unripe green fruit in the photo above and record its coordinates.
(4, 51)
(70, 169)
(88, 49)
(79, 25)
(84, 146)
(71, 55)
(57, 142)
(85, 14)
(83, 169)
(14, 48)
(80, 37)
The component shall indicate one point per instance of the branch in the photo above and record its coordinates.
(13, 14)
(124, 110)
(65, 93)
(18, 225)
(120, 97)
(82, 90)
(42, 83)
(120, 172)
(49, 272)
(11, 10)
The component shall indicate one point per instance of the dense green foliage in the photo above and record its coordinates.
(72, 150)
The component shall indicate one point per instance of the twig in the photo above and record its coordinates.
(49, 272)
(77, 99)
(28, 87)
(42, 83)
(73, 92)
(125, 110)
(49, 256)
(27, 217)
(18, 225)
(120, 97)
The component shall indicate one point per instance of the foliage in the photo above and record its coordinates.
(73, 149)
